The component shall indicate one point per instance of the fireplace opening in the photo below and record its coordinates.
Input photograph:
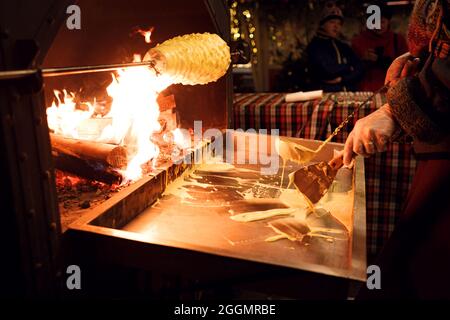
(110, 129)
(110, 133)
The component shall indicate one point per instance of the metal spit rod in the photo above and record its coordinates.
(65, 71)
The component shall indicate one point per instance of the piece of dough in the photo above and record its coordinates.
(276, 238)
(289, 150)
(261, 215)
(291, 228)
(308, 202)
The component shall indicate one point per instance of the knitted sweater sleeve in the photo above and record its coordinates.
(420, 104)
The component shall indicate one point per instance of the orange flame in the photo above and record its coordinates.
(182, 138)
(63, 118)
(146, 34)
(134, 113)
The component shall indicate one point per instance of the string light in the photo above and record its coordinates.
(245, 18)
(282, 44)
(234, 22)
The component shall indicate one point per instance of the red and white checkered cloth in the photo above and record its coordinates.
(388, 174)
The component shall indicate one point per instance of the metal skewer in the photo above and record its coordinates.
(65, 71)
(350, 116)
(306, 154)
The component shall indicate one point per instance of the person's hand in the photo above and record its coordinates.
(370, 134)
(370, 55)
(334, 81)
(403, 66)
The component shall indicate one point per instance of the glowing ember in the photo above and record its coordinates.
(146, 34)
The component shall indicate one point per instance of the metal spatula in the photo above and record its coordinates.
(313, 181)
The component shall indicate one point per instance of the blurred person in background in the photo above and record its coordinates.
(377, 49)
(333, 64)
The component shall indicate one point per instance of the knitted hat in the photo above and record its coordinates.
(331, 11)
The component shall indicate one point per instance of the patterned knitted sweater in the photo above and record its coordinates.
(420, 104)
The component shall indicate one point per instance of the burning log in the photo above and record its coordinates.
(88, 159)
(104, 153)
(92, 128)
(87, 169)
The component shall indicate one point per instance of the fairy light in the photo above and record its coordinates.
(234, 22)
(251, 34)
(240, 19)
(282, 45)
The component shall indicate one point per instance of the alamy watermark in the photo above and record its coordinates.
(373, 277)
(73, 22)
(374, 20)
(73, 281)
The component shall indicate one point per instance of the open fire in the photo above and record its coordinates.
(131, 120)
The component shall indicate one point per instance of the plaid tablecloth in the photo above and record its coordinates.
(388, 175)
